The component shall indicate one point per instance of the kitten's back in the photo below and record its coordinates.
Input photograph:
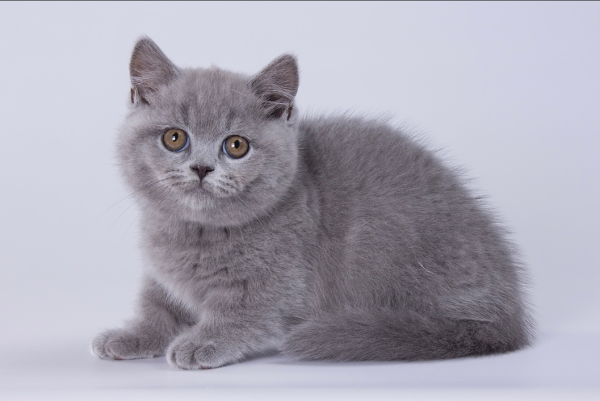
(400, 232)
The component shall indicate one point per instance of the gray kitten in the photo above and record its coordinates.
(330, 238)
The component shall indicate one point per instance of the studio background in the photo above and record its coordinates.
(510, 92)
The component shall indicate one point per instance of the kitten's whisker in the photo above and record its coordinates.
(153, 188)
(128, 227)
(121, 200)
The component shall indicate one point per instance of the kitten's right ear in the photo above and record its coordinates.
(149, 70)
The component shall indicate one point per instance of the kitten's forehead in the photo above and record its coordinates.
(209, 99)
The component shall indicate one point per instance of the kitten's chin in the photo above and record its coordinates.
(222, 206)
(219, 212)
(203, 206)
(218, 217)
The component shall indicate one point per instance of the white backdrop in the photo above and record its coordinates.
(509, 91)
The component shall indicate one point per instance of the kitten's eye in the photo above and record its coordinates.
(175, 140)
(236, 146)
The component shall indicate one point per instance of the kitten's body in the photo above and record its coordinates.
(333, 238)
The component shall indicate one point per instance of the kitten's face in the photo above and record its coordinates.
(171, 149)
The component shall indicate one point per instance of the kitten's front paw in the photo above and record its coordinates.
(122, 344)
(190, 352)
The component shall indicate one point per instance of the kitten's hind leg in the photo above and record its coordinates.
(148, 334)
(401, 335)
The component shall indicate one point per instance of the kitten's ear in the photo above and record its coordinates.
(277, 85)
(149, 69)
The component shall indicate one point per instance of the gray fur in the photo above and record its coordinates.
(333, 238)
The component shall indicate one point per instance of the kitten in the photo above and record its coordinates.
(330, 238)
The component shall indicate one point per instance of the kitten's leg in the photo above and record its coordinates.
(229, 331)
(205, 347)
(401, 335)
(149, 333)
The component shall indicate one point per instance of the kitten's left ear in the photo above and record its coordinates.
(276, 85)
(149, 69)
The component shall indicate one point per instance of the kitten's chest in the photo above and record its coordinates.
(201, 266)
(195, 253)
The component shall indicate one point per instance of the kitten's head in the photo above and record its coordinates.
(208, 145)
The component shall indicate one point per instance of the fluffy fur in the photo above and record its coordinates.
(333, 238)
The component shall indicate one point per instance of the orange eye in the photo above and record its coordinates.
(175, 140)
(236, 146)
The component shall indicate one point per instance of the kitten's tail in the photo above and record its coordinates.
(393, 335)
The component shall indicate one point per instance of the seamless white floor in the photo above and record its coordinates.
(557, 367)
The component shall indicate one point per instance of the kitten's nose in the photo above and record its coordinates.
(201, 171)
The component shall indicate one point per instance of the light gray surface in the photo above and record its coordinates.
(560, 366)
(510, 91)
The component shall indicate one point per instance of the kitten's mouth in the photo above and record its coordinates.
(195, 188)
(209, 189)
(200, 188)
